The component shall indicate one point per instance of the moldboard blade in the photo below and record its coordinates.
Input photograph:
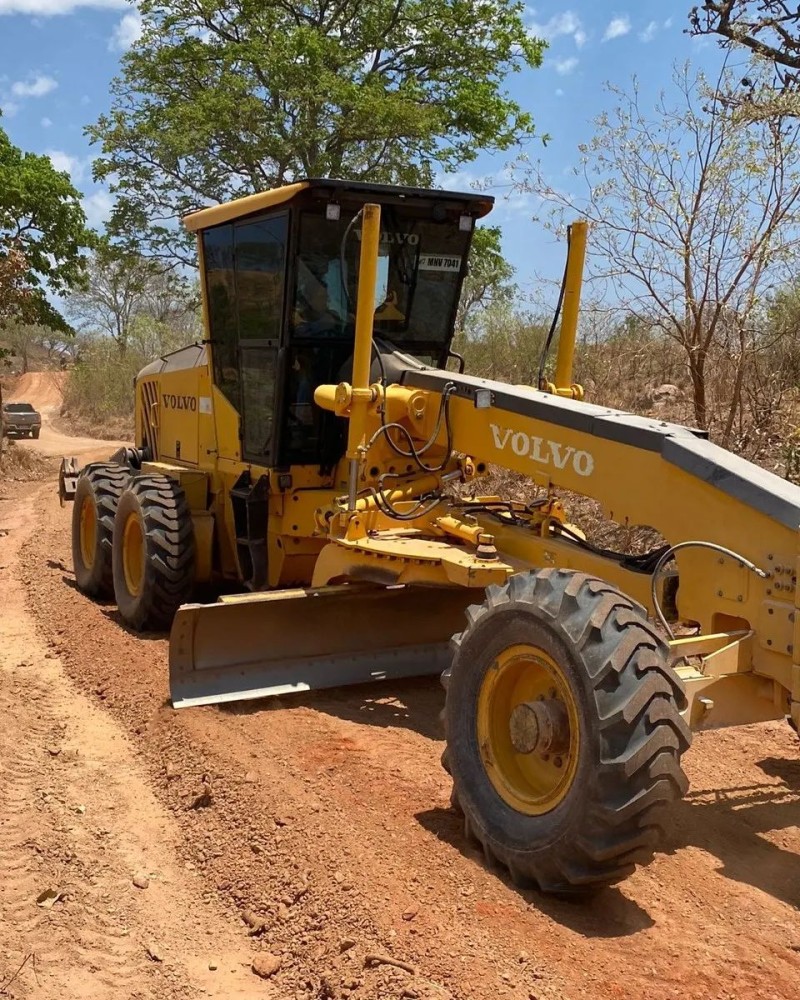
(258, 645)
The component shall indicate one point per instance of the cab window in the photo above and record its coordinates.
(245, 266)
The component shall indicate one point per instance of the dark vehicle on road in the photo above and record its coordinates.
(20, 420)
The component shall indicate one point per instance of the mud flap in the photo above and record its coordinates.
(258, 645)
(67, 480)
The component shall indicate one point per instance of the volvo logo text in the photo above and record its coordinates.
(173, 402)
(542, 450)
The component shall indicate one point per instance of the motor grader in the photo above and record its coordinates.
(321, 453)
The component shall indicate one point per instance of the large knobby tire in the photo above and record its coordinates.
(153, 553)
(97, 492)
(600, 706)
(35, 433)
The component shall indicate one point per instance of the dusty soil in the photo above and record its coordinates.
(79, 821)
(316, 830)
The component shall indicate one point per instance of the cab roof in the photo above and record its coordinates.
(478, 204)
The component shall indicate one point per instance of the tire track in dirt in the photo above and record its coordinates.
(39, 855)
(76, 817)
(328, 818)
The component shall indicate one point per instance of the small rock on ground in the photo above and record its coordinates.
(266, 965)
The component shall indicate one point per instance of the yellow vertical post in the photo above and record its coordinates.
(362, 351)
(572, 303)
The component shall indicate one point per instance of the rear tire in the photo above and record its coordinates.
(584, 814)
(97, 492)
(35, 434)
(153, 553)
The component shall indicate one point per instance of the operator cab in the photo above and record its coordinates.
(280, 272)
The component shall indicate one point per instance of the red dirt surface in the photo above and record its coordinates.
(317, 829)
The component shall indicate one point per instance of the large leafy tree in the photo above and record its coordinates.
(220, 98)
(43, 236)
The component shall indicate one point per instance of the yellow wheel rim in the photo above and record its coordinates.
(88, 531)
(531, 763)
(133, 554)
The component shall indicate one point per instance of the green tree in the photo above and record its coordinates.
(43, 236)
(489, 279)
(220, 98)
(503, 343)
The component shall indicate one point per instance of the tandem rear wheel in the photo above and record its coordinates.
(97, 493)
(564, 732)
(153, 552)
(133, 540)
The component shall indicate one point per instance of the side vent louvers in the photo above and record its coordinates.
(149, 429)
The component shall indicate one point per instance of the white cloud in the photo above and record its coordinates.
(559, 92)
(97, 207)
(126, 33)
(565, 66)
(459, 180)
(72, 165)
(37, 87)
(617, 27)
(653, 29)
(9, 108)
(46, 122)
(566, 23)
(51, 8)
(649, 32)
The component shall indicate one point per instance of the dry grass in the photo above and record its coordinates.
(80, 424)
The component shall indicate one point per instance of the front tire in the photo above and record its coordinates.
(564, 732)
(96, 495)
(153, 553)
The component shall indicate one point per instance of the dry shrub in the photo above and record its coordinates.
(98, 396)
(81, 424)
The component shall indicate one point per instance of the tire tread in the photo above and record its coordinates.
(637, 699)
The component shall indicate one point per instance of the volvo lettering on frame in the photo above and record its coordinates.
(172, 401)
(543, 451)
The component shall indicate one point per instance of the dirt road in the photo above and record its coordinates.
(43, 391)
(316, 830)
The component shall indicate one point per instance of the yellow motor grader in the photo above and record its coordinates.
(316, 452)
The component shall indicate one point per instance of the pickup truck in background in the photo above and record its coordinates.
(20, 420)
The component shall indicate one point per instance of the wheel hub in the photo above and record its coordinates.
(528, 729)
(540, 727)
(133, 554)
(88, 531)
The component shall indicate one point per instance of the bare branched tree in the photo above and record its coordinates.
(694, 216)
(770, 29)
(124, 287)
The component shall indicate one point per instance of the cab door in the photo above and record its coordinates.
(260, 270)
(245, 269)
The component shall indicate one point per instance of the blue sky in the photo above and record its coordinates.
(57, 58)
